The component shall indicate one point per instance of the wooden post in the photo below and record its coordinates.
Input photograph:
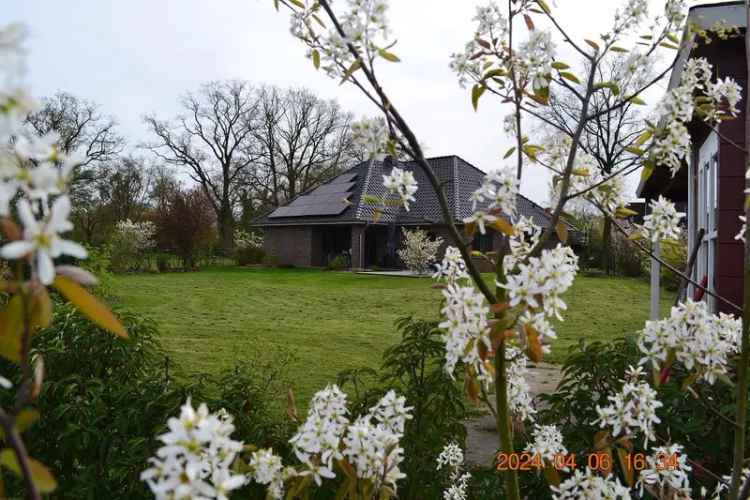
(655, 286)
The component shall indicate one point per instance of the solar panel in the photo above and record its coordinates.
(329, 199)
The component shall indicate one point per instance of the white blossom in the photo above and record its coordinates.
(316, 443)
(536, 56)
(547, 441)
(42, 238)
(590, 485)
(402, 184)
(499, 188)
(452, 459)
(698, 339)
(665, 478)
(452, 268)
(371, 136)
(196, 457)
(465, 323)
(662, 222)
(520, 401)
(481, 219)
(631, 411)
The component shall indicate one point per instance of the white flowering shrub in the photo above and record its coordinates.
(419, 251)
(130, 243)
(244, 239)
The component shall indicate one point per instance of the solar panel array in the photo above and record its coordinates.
(328, 199)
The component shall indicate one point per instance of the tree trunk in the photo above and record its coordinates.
(226, 230)
(607, 260)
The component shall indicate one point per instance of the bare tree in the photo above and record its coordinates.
(124, 188)
(609, 134)
(212, 140)
(82, 128)
(302, 141)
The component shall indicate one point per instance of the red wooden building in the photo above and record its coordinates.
(709, 187)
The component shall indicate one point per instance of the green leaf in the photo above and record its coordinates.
(26, 419)
(592, 44)
(543, 5)
(612, 86)
(298, 3)
(349, 72)
(562, 231)
(560, 65)
(497, 72)
(644, 137)
(636, 100)
(388, 56)
(648, 169)
(542, 96)
(634, 150)
(668, 45)
(89, 306)
(531, 150)
(476, 92)
(509, 152)
(570, 76)
(615, 48)
(40, 475)
(316, 58)
(623, 213)
(11, 328)
(276, 5)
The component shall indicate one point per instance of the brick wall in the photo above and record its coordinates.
(289, 245)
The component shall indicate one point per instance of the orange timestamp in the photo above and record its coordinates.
(526, 461)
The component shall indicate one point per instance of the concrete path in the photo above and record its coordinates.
(481, 436)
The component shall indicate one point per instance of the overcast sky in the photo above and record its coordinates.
(139, 56)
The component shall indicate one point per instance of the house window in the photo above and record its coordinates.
(482, 242)
(705, 206)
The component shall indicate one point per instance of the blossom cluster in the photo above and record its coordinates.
(452, 268)
(370, 136)
(372, 441)
(607, 192)
(662, 221)
(266, 469)
(451, 458)
(491, 25)
(364, 26)
(589, 484)
(695, 337)
(535, 59)
(520, 401)
(499, 188)
(632, 410)
(466, 328)
(244, 239)
(539, 283)
(138, 235)
(33, 167)
(196, 457)
(401, 183)
(547, 441)
(666, 482)
(719, 99)
(316, 443)
(526, 236)
(419, 250)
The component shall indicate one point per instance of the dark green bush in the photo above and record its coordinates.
(338, 263)
(249, 255)
(105, 400)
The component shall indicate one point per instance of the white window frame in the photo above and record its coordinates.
(704, 208)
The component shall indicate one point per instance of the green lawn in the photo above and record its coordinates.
(333, 320)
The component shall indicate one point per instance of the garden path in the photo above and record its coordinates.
(481, 434)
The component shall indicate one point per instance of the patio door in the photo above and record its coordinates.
(706, 212)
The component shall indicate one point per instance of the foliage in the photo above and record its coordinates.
(414, 367)
(104, 400)
(186, 225)
(419, 251)
(674, 253)
(338, 263)
(248, 247)
(129, 244)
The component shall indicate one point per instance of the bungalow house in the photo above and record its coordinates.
(339, 217)
(709, 186)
